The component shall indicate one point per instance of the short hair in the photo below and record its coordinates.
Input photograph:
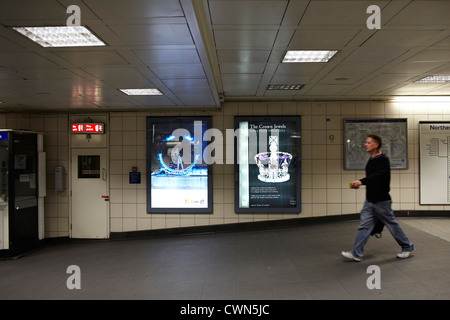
(377, 139)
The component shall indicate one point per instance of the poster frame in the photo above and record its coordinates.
(422, 176)
(185, 120)
(296, 119)
(362, 122)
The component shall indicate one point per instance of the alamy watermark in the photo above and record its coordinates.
(373, 281)
(256, 141)
(374, 20)
(74, 280)
(75, 18)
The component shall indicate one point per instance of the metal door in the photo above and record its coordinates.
(90, 201)
(23, 195)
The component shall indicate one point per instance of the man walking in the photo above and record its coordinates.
(378, 203)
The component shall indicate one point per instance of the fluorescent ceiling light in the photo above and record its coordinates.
(296, 56)
(142, 92)
(73, 36)
(421, 99)
(285, 86)
(434, 79)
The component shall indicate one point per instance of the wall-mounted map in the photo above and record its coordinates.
(393, 133)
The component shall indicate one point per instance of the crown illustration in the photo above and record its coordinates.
(273, 165)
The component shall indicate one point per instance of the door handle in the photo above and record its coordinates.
(104, 174)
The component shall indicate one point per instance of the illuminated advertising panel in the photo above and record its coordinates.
(179, 177)
(268, 164)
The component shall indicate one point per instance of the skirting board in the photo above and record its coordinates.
(260, 225)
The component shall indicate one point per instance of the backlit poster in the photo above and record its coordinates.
(267, 164)
(178, 175)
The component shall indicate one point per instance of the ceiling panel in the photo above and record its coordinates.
(194, 51)
(237, 55)
(239, 67)
(153, 34)
(413, 89)
(237, 84)
(340, 79)
(290, 79)
(24, 60)
(244, 39)
(443, 43)
(445, 70)
(415, 67)
(151, 101)
(294, 69)
(374, 85)
(338, 13)
(442, 90)
(432, 55)
(375, 55)
(350, 69)
(423, 13)
(116, 9)
(281, 93)
(89, 58)
(321, 39)
(327, 89)
(178, 71)
(399, 38)
(164, 56)
(31, 10)
(247, 12)
(9, 46)
(186, 85)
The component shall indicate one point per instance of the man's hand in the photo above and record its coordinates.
(356, 184)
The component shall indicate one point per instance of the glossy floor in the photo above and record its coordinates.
(302, 262)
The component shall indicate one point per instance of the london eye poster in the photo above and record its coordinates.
(178, 176)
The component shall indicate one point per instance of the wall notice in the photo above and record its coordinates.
(434, 139)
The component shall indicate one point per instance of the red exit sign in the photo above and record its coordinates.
(88, 128)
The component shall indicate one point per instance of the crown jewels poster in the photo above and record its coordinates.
(268, 164)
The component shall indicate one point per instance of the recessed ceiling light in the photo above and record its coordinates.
(285, 86)
(73, 36)
(434, 79)
(421, 99)
(299, 56)
(142, 92)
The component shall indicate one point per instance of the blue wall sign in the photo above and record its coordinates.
(135, 178)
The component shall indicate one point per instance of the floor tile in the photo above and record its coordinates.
(295, 263)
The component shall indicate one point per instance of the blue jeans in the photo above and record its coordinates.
(368, 217)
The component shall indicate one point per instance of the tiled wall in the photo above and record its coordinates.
(325, 188)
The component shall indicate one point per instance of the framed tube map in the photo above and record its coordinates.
(179, 179)
(267, 164)
(393, 133)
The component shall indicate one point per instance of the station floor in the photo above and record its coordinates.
(292, 263)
